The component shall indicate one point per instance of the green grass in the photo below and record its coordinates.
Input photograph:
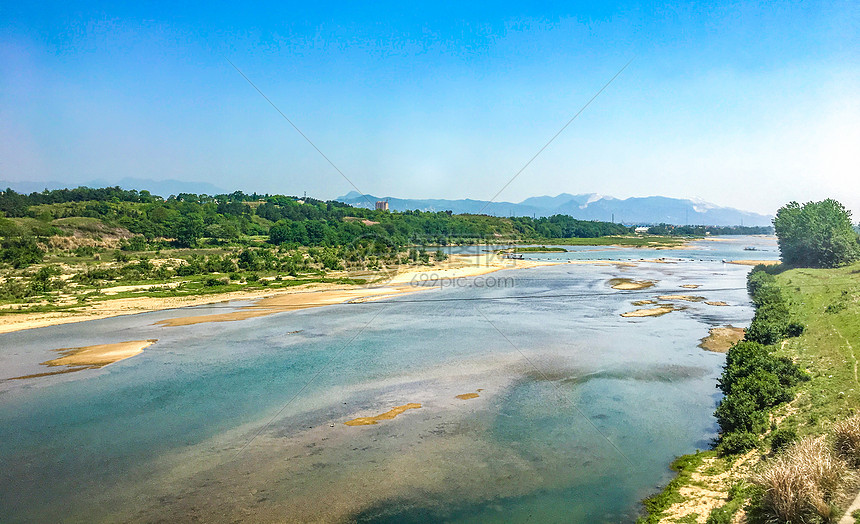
(656, 504)
(827, 302)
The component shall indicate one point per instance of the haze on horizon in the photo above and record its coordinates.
(749, 105)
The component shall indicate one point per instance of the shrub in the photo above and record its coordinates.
(795, 329)
(135, 243)
(782, 438)
(20, 252)
(801, 484)
(847, 440)
(84, 251)
(43, 280)
(737, 442)
(212, 282)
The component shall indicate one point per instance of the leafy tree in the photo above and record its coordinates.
(20, 252)
(816, 234)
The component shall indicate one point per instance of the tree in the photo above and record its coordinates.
(20, 252)
(817, 234)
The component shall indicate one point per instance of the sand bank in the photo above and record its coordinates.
(685, 298)
(467, 396)
(388, 415)
(754, 262)
(720, 339)
(627, 284)
(456, 267)
(716, 303)
(691, 286)
(651, 312)
(92, 357)
(293, 301)
(643, 302)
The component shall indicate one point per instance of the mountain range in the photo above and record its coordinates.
(587, 206)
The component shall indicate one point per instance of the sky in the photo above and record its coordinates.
(743, 104)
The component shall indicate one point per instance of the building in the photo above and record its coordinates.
(382, 205)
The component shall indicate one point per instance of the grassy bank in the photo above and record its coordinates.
(715, 487)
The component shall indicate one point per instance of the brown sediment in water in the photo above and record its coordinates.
(651, 312)
(467, 396)
(691, 286)
(754, 262)
(685, 298)
(92, 357)
(720, 339)
(716, 303)
(643, 302)
(627, 284)
(388, 415)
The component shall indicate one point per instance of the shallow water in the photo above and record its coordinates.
(580, 414)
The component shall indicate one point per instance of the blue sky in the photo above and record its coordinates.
(744, 104)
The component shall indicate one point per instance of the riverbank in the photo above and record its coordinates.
(825, 301)
(382, 284)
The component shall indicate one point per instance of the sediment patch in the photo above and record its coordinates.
(627, 284)
(685, 298)
(92, 357)
(388, 415)
(720, 339)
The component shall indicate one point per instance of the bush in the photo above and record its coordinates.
(43, 280)
(801, 484)
(847, 440)
(20, 252)
(781, 439)
(753, 381)
(135, 243)
(213, 282)
(795, 329)
(737, 442)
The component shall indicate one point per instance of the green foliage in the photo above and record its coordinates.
(43, 280)
(772, 321)
(720, 515)
(737, 442)
(656, 504)
(699, 231)
(753, 381)
(20, 252)
(135, 243)
(782, 438)
(817, 234)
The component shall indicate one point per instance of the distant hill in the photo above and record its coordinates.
(163, 188)
(589, 206)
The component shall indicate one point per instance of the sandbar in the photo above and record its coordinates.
(388, 415)
(716, 303)
(691, 286)
(643, 302)
(720, 339)
(754, 262)
(650, 312)
(686, 298)
(467, 396)
(627, 284)
(92, 357)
